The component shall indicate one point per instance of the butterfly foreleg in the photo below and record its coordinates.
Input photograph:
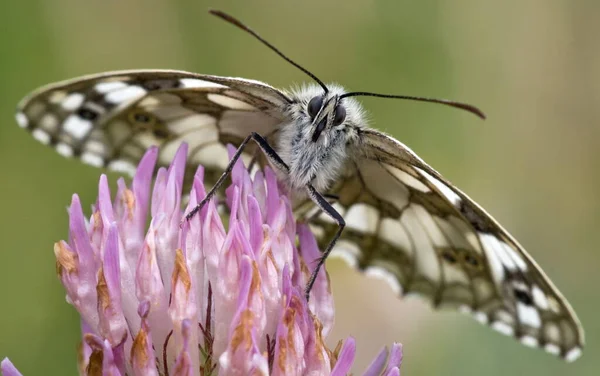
(271, 154)
(331, 199)
(326, 207)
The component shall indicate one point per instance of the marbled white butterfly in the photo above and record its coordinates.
(393, 216)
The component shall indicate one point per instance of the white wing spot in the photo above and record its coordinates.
(552, 349)
(77, 127)
(573, 354)
(120, 165)
(72, 102)
(49, 122)
(539, 298)
(41, 136)
(57, 96)
(408, 179)
(517, 259)
(64, 150)
(22, 120)
(504, 316)
(426, 259)
(227, 102)
(552, 332)
(314, 210)
(362, 217)
(443, 188)
(95, 147)
(319, 232)
(92, 159)
(465, 309)
(392, 231)
(553, 304)
(192, 122)
(105, 87)
(214, 155)
(194, 82)
(529, 315)
(481, 317)
(431, 228)
(495, 259)
(529, 341)
(125, 94)
(472, 240)
(504, 328)
(347, 251)
(159, 100)
(454, 235)
(389, 278)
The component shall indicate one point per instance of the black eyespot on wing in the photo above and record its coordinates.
(340, 115)
(449, 256)
(160, 84)
(141, 117)
(523, 296)
(469, 259)
(314, 106)
(87, 114)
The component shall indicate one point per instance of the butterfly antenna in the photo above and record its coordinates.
(463, 106)
(234, 21)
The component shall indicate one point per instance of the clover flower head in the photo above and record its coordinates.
(198, 298)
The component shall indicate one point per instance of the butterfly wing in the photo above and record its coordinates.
(110, 119)
(407, 224)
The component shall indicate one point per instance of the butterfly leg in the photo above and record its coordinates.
(271, 154)
(326, 207)
(331, 198)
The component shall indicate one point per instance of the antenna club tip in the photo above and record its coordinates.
(224, 16)
(480, 113)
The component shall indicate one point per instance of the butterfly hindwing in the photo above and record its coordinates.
(110, 119)
(407, 224)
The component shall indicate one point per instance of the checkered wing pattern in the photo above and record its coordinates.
(110, 119)
(409, 226)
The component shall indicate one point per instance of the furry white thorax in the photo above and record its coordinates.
(318, 163)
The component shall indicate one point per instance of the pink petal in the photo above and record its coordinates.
(112, 325)
(243, 351)
(184, 366)
(142, 354)
(8, 369)
(321, 299)
(378, 364)
(183, 309)
(102, 356)
(345, 358)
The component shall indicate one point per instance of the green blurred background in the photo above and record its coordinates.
(532, 65)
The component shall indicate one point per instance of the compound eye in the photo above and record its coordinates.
(340, 115)
(314, 106)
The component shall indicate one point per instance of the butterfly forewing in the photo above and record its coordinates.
(411, 227)
(109, 120)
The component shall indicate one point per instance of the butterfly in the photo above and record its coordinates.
(389, 213)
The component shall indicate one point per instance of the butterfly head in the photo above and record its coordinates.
(326, 112)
